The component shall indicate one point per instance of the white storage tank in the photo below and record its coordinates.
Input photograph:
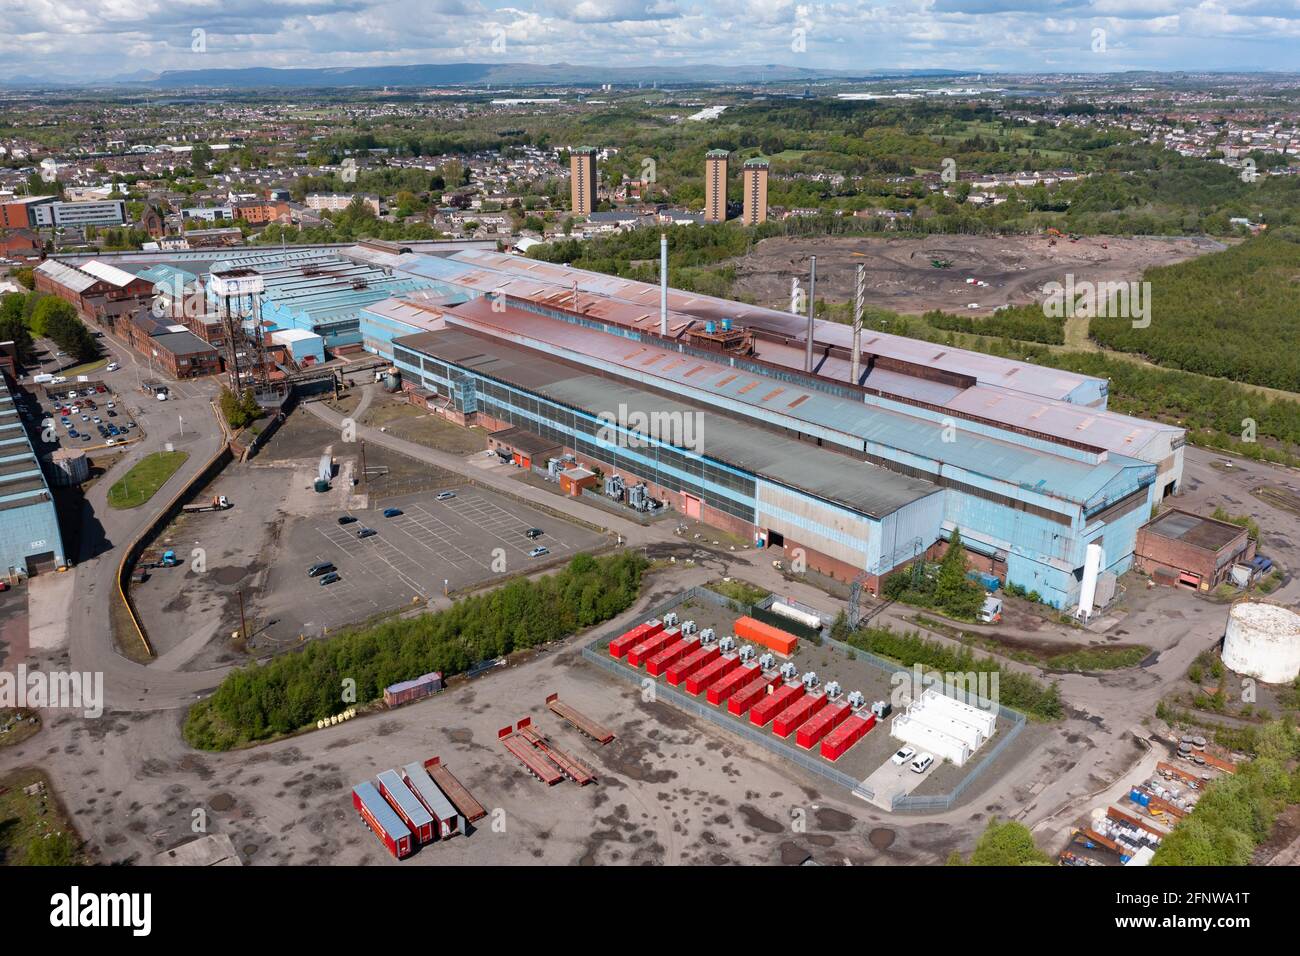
(70, 466)
(1263, 641)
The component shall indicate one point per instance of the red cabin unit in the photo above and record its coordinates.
(837, 743)
(821, 724)
(668, 656)
(738, 678)
(692, 662)
(788, 721)
(750, 694)
(408, 806)
(711, 673)
(620, 645)
(774, 703)
(652, 645)
(382, 820)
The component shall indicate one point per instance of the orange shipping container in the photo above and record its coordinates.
(773, 638)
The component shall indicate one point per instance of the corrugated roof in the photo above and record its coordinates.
(1022, 465)
(110, 274)
(823, 472)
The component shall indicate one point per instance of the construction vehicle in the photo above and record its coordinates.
(941, 263)
(218, 503)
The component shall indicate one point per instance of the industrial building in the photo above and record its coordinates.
(1178, 547)
(30, 542)
(734, 414)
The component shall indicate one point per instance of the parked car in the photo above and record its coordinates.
(329, 578)
(444, 495)
(73, 433)
(534, 533)
(97, 420)
(922, 763)
(366, 532)
(112, 367)
(538, 552)
(903, 756)
(346, 519)
(110, 441)
(392, 512)
(112, 414)
(319, 568)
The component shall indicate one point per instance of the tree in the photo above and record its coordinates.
(955, 593)
(1007, 843)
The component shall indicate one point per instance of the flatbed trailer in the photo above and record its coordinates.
(534, 761)
(456, 792)
(579, 721)
(574, 769)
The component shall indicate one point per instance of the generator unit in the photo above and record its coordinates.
(811, 680)
(707, 636)
(833, 689)
(747, 653)
(882, 709)
(689, 627)
(727, 644)
(767, 661)
(856, 700)
(670, 619)
(789, 671)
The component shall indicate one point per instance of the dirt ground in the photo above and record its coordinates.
(900, 276)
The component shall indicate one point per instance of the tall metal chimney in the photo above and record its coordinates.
(663, 284)
(859, 301)
(812, 307)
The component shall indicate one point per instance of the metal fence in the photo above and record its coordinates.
(596, 652)
(690, 705)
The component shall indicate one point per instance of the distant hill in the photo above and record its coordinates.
(499, 75)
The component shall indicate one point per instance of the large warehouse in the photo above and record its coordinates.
(776, 439)
(30, 542)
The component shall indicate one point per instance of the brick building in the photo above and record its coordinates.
(1187, 549)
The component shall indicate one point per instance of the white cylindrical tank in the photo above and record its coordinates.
(1263, 641)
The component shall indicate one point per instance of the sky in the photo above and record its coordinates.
(82, 39)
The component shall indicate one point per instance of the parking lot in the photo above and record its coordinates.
(85, 415)
(260, 549)
(431, 547)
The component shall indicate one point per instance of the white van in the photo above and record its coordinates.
(922, 763)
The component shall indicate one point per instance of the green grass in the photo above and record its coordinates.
(86, 368)
(1099, 658)
(145, 478)
(33, 828)
(740, 591)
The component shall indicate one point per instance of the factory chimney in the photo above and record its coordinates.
(859, 301)
(812, 307)
(663, 284)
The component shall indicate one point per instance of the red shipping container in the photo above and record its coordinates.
(668, 656)
(619, 646)
(773, 638)
(775, 702)
(691, 663)
(710, 673)
(738, 678)
(818, 726)
(789, 719)
(651, 646)
(750, 694)
(838, 741)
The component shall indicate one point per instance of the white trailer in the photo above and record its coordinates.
(926, 738)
